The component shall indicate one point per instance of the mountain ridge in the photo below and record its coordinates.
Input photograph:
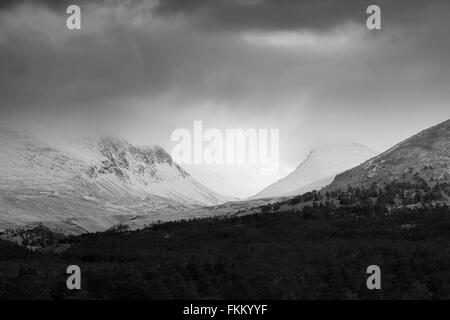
(424, 154)
(91, 184)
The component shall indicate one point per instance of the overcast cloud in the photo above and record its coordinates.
(310, 68)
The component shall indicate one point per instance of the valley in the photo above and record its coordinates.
(95, 185)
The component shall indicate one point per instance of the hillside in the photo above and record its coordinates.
(425, 155)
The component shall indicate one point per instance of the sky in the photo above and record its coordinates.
(141, 69)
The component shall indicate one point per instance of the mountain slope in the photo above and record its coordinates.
(425, 155)
(90, 184)
(316, 185)
(318, 169)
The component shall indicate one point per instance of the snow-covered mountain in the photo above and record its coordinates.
(319, 169)
(90, 183)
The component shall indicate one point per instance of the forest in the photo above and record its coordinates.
(318, 252)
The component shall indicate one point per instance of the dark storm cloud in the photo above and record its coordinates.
(296, 14)
(93, 70)
(268, 14)
(51, 4)
(184, 55)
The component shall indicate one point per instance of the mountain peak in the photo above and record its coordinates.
(121, 154)
(321, 163)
